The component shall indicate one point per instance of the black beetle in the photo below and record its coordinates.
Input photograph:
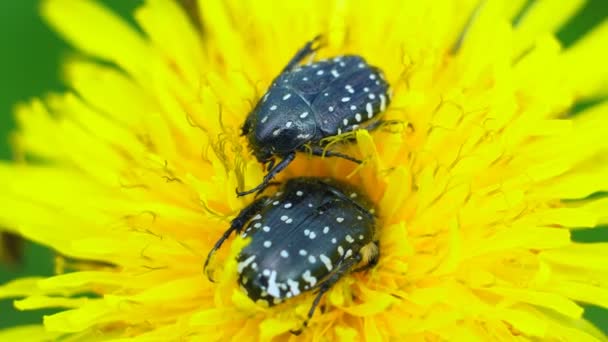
(308, 103)
(306, 236)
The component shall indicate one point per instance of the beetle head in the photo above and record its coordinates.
(263, 154)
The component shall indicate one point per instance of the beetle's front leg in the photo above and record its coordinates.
(327, 285)
(270, 175)
(306, 50)
(321, 152)
(236, 225)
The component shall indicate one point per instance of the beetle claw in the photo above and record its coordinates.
(296, 332)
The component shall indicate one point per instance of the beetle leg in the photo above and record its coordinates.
(236, 225)
(345, 198)
(270, 164)
(319, 151)
(306, 50)
(327, 285)
(270, 175)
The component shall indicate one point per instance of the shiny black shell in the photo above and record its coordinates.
(310, 102)
(301, 236)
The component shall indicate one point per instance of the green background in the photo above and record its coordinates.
(29, 66)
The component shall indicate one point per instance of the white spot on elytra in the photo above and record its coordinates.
(382, 102)
(353, 107)
(345, 99)
(326, 230)
(245, 263)
(273, 288)
(312, 235)
(286, 96)
(273, 107)
(275, 203)
(257, 225)
(369, 109)
(294, 287)
(371, 96)
(349, 88)
(361, 237)
(299, 193)
(284, 254)
(267, 244)
(345, 122)
(340, 250)
(372, 76)
(359, 218)
(306, 232)
(288, 124)
(284, 218)
(264, 119)
(366, 89)
(303, 115)
(330, 108)
(266, 272)
(335, 73)
(256, 217)
(266, 229)
(276, 132)
(312, 259)
(303, 252)
(353, 195)
(334, 241)
(361, 65)
(320, 72)
(304, 78)
(287, 205)
(326, 261)
(289, 220)
(340, 219)
(348, 253)
(358, 117)
(309, 278)
(349, 239)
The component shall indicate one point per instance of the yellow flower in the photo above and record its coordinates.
(130, 175)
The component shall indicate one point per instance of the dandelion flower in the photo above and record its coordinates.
(130, 175)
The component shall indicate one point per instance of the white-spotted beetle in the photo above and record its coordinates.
(304, 237)
(307, 103)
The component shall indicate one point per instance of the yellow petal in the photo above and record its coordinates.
(93, 29)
